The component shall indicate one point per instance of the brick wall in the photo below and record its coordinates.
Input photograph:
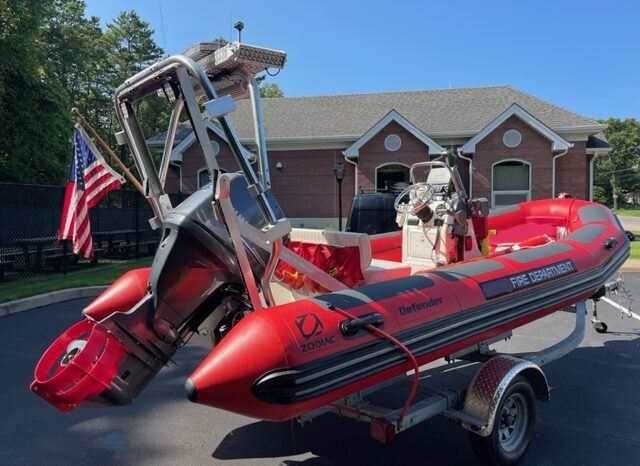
(306, 186)
(534, 148)
(172, 183)
(572, 171)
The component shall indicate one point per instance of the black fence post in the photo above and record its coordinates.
(137, 218)
(64, 257)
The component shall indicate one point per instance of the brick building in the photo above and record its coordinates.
(512, 146)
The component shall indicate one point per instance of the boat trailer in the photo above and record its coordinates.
(495, 403)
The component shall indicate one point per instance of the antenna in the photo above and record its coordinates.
(239, 26)
(164, 39)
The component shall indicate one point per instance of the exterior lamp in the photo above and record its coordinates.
(338, 170)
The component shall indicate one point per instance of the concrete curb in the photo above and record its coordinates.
(32, 302)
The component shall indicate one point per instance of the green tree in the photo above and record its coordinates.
(618, 171)
(34, 140)
(71, 50)
(270, 90)
(129, 47)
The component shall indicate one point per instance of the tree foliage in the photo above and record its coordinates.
(618, 172)
(270, 90)
(53, 57)
(33, 106)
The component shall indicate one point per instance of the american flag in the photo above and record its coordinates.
(90, 179)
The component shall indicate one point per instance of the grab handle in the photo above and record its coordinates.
(354, 327)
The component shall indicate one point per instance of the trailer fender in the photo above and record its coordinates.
(489, 384)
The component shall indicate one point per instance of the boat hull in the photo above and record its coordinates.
(281, 362)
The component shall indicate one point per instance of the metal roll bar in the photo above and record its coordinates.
(134, 88)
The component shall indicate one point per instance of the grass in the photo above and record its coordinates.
(90, 276)
(635, 247)
(627, 212)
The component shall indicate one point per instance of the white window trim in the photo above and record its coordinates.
(353, 152)
(176, 153)
(510, 191)
(386, 165)
(558, 143)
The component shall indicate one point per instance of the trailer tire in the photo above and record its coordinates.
(513, 429)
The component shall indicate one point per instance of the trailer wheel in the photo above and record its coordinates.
(600, 327)
(513, 428)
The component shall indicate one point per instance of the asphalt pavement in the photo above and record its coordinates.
(593, 417)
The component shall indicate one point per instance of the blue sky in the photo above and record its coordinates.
(581, 55)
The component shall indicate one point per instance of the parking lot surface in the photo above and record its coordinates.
(593, 417)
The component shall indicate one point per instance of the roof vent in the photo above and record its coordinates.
(392, 142)
(512, 138)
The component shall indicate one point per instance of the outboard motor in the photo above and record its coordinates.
(111, 355)
(202, 280)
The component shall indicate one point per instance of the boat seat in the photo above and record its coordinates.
(373, 270)
(381, 270)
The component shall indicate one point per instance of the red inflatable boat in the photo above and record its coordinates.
(281, 362)
(299, 318)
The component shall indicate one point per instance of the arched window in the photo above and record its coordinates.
(511, 182)
(203, 177)
(389, 174)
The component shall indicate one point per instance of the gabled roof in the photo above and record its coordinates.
(437, 113)
(182, 131)
(598, 141)
(190, 138)
(557, 141)
(352, 152)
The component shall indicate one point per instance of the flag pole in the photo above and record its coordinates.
(134, 181)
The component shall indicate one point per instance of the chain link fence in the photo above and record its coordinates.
(30, 219)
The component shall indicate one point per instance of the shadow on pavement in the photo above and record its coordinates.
(592, 416)
(585, 421)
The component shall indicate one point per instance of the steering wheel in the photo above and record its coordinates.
(419, 196)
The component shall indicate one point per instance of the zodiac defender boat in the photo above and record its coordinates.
(301, 318)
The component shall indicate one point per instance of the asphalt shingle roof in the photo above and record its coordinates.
(435, 112)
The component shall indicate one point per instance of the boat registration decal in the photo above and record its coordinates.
(510, 283)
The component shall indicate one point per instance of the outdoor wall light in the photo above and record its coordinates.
(279, 165)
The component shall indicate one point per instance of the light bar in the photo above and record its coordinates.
(220, 62)
(201, 50)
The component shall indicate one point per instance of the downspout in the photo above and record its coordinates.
(553, 170)
(470, 160)
(595, 155)
(355, 176)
